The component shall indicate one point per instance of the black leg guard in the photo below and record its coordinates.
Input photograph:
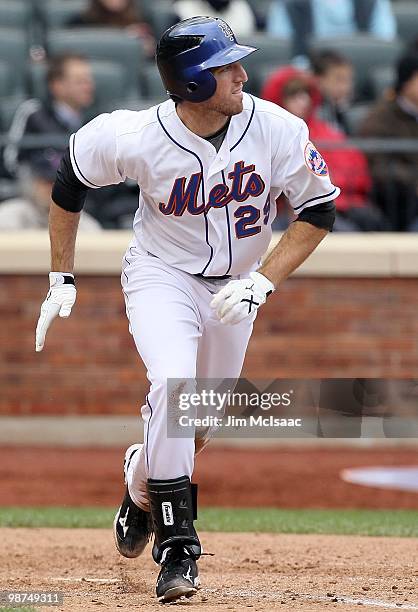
(173, 505)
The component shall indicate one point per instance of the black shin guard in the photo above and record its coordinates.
(173, 506)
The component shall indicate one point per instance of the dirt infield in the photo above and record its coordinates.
(236, 477)
(247, 572)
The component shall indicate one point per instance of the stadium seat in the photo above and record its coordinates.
(15, 14)
(145, 6)
(272, 49)
(57, 13)
(110, 80)
(133, 104)
(5, 79)
(355, 116)
(406, 15)
(8, 108)
(14, 51)
(160, 17)
(151, 85)
(109, 77)
(103, 44)
(366, 52)
(273, 52)
(37, 81)
(382, 78)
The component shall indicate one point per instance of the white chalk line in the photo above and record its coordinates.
(246, 593)
(340, 598)
(365, 602)
(96, 580)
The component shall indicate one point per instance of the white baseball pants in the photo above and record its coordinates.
(177, 336)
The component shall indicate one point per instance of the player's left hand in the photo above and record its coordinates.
(240, 298)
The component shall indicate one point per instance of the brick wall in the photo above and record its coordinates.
(311, 328)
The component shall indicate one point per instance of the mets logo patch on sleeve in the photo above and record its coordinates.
(314, 160)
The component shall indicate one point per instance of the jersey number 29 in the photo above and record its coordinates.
(247, 218)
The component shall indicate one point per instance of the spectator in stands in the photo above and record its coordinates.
(296, 91)
(237, 13)
(301, 19)
(117, 14)
(31, 210)
(335, 79)
(70, 92)
(396, 175)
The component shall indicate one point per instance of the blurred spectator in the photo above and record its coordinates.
(301, 19)
(117, 14)
(296, 91)
(396, 175)
(238, 14)
(70, 92)
(335, 79)
(31, 210)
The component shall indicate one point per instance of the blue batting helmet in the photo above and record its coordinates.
(188, 50)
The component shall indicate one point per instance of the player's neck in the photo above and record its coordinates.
(203, 124)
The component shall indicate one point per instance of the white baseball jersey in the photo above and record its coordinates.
(203, 211)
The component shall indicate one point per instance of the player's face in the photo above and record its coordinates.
(228, 98)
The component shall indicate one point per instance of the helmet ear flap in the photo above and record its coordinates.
(202, 87)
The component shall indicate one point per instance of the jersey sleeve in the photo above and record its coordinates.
(94, 153)
(303, 174)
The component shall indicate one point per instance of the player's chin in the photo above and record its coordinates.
(237, 104)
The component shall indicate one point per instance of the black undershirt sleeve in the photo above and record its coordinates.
(68, 192)
(321, 215)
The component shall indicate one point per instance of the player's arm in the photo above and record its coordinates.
(68, 195)
(91, 161)
(63, 227)
(298, 242)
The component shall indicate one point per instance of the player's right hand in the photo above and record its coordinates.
(59, 301)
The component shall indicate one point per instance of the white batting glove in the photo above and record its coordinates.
(240, 298)
(59, 301)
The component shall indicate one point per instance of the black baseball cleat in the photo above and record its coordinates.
(132, 527)
(178, 577)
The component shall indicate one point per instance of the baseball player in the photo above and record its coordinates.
(210, 162)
